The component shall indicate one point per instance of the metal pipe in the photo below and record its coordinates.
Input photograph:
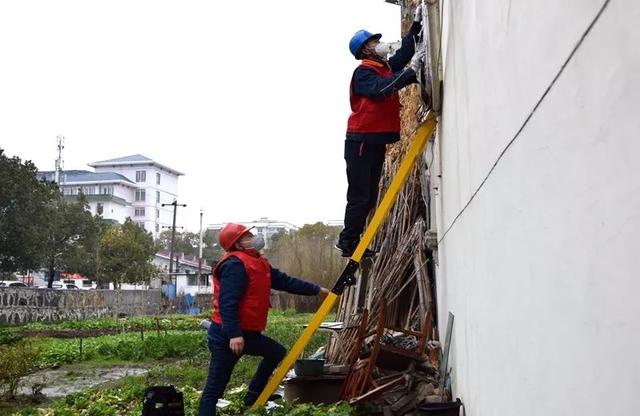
(200, 253)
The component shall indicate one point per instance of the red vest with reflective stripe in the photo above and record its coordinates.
(254, 305)
(374, 115)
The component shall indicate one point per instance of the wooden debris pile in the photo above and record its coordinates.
(397, 369)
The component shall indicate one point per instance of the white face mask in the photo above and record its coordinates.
(386, 50)
(256, 243)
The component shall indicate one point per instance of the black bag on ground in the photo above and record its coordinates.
(162, 401)
(440, 409)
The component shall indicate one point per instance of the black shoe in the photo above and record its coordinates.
(345, 248)
(348, 249)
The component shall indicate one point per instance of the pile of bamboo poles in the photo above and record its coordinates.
(398, 277)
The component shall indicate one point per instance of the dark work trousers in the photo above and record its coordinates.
(223, 360)
(364, 168)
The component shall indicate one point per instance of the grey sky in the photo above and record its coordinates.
(249, 99)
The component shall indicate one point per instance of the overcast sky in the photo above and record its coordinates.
(249, 99)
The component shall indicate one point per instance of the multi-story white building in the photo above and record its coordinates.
(266, 227)
(131, 186)
(108, 194)
(155, 184)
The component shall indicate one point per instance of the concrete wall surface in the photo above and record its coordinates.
(541, 269)
(22, 305)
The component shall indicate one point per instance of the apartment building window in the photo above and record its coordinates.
(204, 280)
(157, 227)
(141, 176)
(157, 213)
(158, 197)
(99, 208)
(87, 190)
(157, 179)
(140, 195)
(192, 278)
(139, 212)
(105, 190)
(140, 224)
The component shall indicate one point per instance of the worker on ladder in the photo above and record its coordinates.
(374, 121)
(242, 283)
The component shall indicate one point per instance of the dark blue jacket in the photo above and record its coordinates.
(366, 82)
(233, 283)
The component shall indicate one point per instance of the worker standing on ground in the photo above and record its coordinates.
(374, 121)
(242, 282)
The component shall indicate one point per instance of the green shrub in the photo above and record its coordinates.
(9, 337)
(16, 361)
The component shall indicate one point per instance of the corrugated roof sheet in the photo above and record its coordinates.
(84, 176)
(131, 158)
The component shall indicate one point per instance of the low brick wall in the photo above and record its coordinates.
(23, 305)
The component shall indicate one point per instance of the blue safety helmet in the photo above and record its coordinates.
(359, 39)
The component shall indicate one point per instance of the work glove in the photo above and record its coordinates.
(416, 61)
(417, 15)
(416, 26)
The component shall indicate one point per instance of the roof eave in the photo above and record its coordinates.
(136, 162)
(131, 184)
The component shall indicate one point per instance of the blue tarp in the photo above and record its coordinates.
(169, 290)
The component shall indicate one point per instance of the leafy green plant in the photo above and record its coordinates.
(125, 397)
(128, 324)
(123, 347)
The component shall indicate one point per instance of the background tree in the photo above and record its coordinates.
(212, 251)
(83, 256)
(188, 242)
(23, 214)
(126, 252)
(70, 237)
(308, 253)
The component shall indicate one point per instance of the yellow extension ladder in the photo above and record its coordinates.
(347, 277)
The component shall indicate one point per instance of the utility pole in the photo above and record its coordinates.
(59, 162)
(200, 254)
(173, 234)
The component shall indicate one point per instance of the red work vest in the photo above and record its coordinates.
(374, 115)
(254, 305)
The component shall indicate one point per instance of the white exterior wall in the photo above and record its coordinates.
(124, 192)
(115, 211)
(111, 210)
(183, 287)
(541, 269)
(168, 185)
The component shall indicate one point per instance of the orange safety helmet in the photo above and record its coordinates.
(230, 234)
